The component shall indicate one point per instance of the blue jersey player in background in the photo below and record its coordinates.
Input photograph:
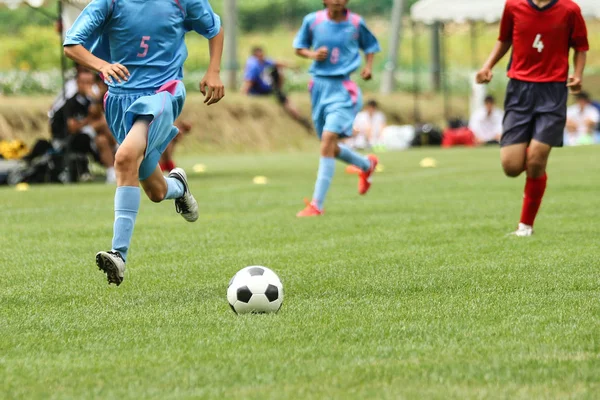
(138, 46)
(333, 38)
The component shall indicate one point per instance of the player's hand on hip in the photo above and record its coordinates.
(212, 88)
(574, 84)
(366, 74)
(321, 54)
(485, 75)
(115, 71)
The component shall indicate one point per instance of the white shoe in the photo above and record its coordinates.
(186, 205)
(111, 176)
(112, 264)
(523, 231)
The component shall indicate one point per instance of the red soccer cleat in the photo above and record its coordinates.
(311, 210)
(364, 178)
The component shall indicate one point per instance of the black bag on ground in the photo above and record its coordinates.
(427, 135)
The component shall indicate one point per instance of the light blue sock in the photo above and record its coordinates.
(127, 204)
(324, 177)
(175, 189)
(351, 157)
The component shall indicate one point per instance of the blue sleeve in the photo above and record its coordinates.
(366, 40)
(251, 72)
(201, 18)
(86, 28)
(303, 39)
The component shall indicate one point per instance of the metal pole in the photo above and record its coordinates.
(388, 81)
(444, 71)
(63, 60)
(416, 75)
(436, 69)
(474, 52)
(231, 26)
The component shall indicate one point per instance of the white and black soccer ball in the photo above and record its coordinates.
(255, 289)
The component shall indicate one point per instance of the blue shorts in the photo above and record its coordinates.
(164, 105)
(335, 103)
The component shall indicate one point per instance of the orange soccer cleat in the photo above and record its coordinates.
(311, 210)
(365, 178)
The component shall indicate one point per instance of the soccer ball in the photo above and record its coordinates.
(255, 289)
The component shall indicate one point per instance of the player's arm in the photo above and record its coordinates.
(202, 19)
(369, 44)
(575, 82)
(87, 26)
(303, 42)
(83, 57)
(579, 42)
(501, 47)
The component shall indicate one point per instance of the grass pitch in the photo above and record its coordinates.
(410, 292)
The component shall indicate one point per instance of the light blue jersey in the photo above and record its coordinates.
(344, 40)
(146, 36)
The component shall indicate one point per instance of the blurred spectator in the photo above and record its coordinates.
(368, 126)
(166, 159)
(264, 77)
(86, 125)
(79, 128)
(486, 123)
(582, 121)
(596, 104)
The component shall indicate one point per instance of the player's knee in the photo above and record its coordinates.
(536, 166)
(125, 160)
(512, 169)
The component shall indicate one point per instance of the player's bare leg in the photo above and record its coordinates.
(329, 150)
(127, 200)
(535, 162)
(157, 190)
(513, 159)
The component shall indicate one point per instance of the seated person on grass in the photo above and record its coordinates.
(263, 77)
(582, 121)
(86, 125)
(486, 123)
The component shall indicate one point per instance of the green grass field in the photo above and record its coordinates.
(411, 292)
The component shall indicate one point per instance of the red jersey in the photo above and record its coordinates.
(541, 38)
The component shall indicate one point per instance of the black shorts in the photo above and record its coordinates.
(535, 111)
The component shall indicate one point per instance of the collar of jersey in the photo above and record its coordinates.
(547, 6)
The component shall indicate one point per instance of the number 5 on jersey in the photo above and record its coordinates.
(538, 44)
(144, 46)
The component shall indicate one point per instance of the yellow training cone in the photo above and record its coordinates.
(260, 180)
(22, 187)
(428, 163)
(199, 168)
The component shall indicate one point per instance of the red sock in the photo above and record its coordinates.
(163, 166)
(534, 191)
(170, 165)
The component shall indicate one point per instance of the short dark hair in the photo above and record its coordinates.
(372, 103)
(489, 99)
(583, 96)
(256, 49)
